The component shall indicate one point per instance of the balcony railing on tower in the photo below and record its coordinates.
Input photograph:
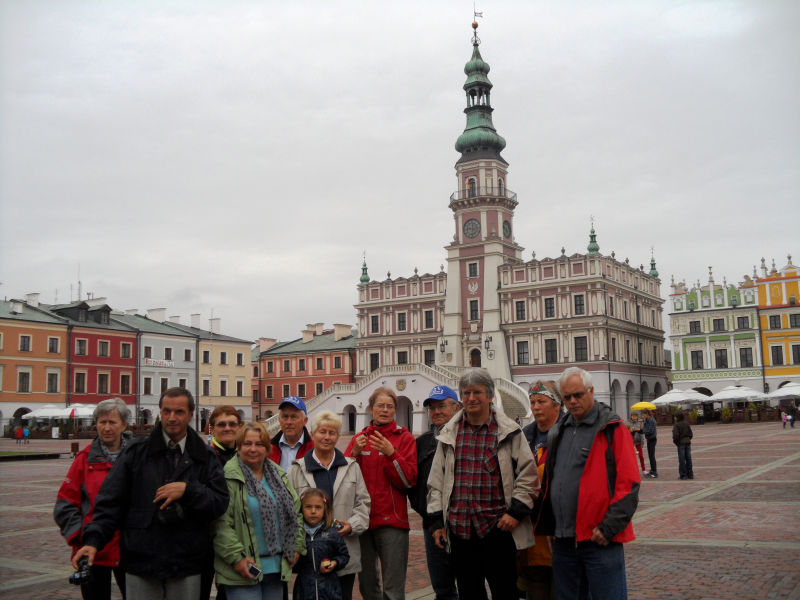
(483, 192)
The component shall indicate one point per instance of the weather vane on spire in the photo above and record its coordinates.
(475, 39)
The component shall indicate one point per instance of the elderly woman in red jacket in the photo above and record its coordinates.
(387, 455)
(75, 501)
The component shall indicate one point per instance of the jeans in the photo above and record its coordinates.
(440, 569)
(489, 559)
(269, 588)
(148, 588)
(651, 454)
(588, 570)
(685, 460)
(388, 545)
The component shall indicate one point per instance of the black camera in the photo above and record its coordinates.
(171, 516)
(83, 575)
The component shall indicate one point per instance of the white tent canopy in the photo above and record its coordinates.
(41, 413)
(675, 396)
(737, 392)
(51, 411)
(790, 390)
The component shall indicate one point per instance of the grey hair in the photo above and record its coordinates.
(117, 404)
(586, 378)
(477, 377)
(327, 417)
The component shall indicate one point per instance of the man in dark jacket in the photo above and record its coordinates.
(161, 494)
(293, 441)
(682, 438)
(442, 404)
(651, 438)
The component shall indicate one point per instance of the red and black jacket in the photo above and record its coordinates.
(275, 452)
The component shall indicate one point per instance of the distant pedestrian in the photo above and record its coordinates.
(792, 416)
(18, 434)
(635, 427)
(682, 438)
(651, 437)
(784, 418)
(26, 433)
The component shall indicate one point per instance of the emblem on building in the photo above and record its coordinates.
(472, 286)
(400, 384)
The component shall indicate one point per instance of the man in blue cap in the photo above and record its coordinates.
(293, 441)
(442, 405)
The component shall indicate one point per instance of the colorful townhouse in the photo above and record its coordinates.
(779, 314)
(33, 358)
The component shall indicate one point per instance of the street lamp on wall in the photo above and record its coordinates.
(442, 346)
(487, 341)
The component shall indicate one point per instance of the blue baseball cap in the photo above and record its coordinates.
(294, 401)
(441, 392)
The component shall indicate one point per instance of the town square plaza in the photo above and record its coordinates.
(731, 533)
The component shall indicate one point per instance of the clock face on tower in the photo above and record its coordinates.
(507, 229)
(472, 228)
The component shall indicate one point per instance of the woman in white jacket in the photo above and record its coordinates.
(328, 469)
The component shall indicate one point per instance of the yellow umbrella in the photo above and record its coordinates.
(642, 405)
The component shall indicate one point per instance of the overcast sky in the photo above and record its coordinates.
(240, 156)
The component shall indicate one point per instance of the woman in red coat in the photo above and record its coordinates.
(387, 455)
(75, 501)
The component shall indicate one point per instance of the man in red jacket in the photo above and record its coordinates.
(590, 452)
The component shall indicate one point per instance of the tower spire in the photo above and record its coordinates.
(653, 271)
(364, 280)
(593, 247)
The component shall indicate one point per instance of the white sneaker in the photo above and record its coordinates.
(645, 472)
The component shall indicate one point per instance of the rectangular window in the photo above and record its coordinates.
(472, 269)
(102, 348)
(223, 358)
(167, 353)
(286, 391)
(374, 361)
(401, 321)
(164, 384)
(320, 363)
(777, 355)
(239, 388)
(270, 368)
(580, 308)
(402, 357)
(474, 311)
(102, 383)
(775, 322)
(742, 322)
(718, 324)
(375, 324)
(796, 354)
(53, 345)
(625, 309)
(522, 353)
(80, 347)
(23, 382)
(239, 359)
(301, 390)
(520, 310)
(269, 392)
(318, 389)
(430, 357)
(187, 354)
(549, 308)
(287, 366)
(206, 387)
(182, 383)
(628, 350)
(125, 350)
(581, 348)
(638, 314)
(794, 320)
(337, 362)
(639, 354)
(80, 383)
(148, 352)
(148, 386)
(24, 343)
(428, 319)
(206, 357)
(745, 357)
(551, 351)
(721, 359)
(613, 348)
(611, 306)
(301, 364)
(125, 384)
(52, 382)
(223, 387)
(694, 326)
(697, 360)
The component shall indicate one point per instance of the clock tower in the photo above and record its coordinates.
(483, 211)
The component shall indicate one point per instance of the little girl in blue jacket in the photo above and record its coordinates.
(326, 551)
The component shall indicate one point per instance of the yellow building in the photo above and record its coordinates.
(779, 316)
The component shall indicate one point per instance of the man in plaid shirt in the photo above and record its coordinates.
(481, 489)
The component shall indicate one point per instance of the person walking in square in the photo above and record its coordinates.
(635, 427)
(651, 437)
(682, 438)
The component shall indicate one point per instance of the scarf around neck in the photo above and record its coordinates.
(108, 454)
(287, 517)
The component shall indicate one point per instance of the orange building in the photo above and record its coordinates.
(779, 317)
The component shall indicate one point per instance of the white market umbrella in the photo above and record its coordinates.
(75, 411)
(675, 396)
(737, 392)
(44, 412)
(790, 390)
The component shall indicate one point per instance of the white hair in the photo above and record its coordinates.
(326, 417)
(586, 378)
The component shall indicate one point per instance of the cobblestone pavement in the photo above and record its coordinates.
(731, 533)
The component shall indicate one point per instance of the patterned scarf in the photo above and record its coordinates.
(287, 516)
(108, 454)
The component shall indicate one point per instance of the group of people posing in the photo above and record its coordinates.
(541, 512)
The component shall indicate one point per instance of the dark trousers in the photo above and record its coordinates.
(490, 559)
(588, 570)
(685, 460)
(99, 588)
(651, 454)
(440, 569)
(347, 582)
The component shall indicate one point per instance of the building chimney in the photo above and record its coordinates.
(157, 314)
(17, 306)
(97, 301)
(308, 335)
(213, 324)
(195, 319)
(175, 319)
(32, 299)
(341, 331)
(265, 343)
(131, 311)
(318, 328)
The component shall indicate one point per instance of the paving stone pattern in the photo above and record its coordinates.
(731, 533)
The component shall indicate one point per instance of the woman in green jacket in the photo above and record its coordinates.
(260, 536)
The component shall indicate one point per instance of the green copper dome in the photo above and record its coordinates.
(653, 271)
(593, 247)
(364, 276)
